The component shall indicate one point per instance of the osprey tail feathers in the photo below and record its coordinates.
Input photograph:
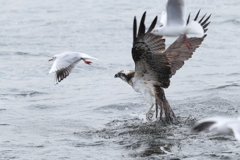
(162, 103)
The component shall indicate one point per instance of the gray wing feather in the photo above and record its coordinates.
(64, 72)
(203, 126)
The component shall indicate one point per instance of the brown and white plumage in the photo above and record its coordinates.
(155, 65)
(65, 62)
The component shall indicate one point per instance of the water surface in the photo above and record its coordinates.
(91, 115)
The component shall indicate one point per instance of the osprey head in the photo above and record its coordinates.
(125, 75)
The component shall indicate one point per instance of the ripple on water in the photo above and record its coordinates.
(41, 107)
(120, 107)
(154, 139)
(23, 94)
(21, 53)
(232, 21)
(138, 138)
(224, 87)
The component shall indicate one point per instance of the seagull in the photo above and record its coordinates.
(155, 65)
(173, 23)
(220, 125)
(65, 62)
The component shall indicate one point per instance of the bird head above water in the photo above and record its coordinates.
(53, 58)
(125, 75)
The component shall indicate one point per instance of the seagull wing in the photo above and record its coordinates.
(64, 72)
(163, 20)
(235, 127)
(64, 64)
(196, 28)
(175, 12)
(205, 124)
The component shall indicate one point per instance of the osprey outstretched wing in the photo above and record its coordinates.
(149, 52)
(154, 66)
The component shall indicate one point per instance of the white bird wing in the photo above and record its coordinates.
(64, 60)
(204, 124)
(163, 20)
(64, 64)
(175, 12)
(218, 124)
(196, 28)
(235, 127)
(207, 123)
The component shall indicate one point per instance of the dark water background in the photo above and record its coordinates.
(91, 115)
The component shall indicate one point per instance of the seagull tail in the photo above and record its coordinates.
(85, 56)
(162, 103)
(236, 130)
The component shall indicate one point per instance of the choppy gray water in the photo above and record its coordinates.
(91, 115)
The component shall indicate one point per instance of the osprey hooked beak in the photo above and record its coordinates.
(116, 75)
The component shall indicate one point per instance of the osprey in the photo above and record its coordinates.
(155, 65)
